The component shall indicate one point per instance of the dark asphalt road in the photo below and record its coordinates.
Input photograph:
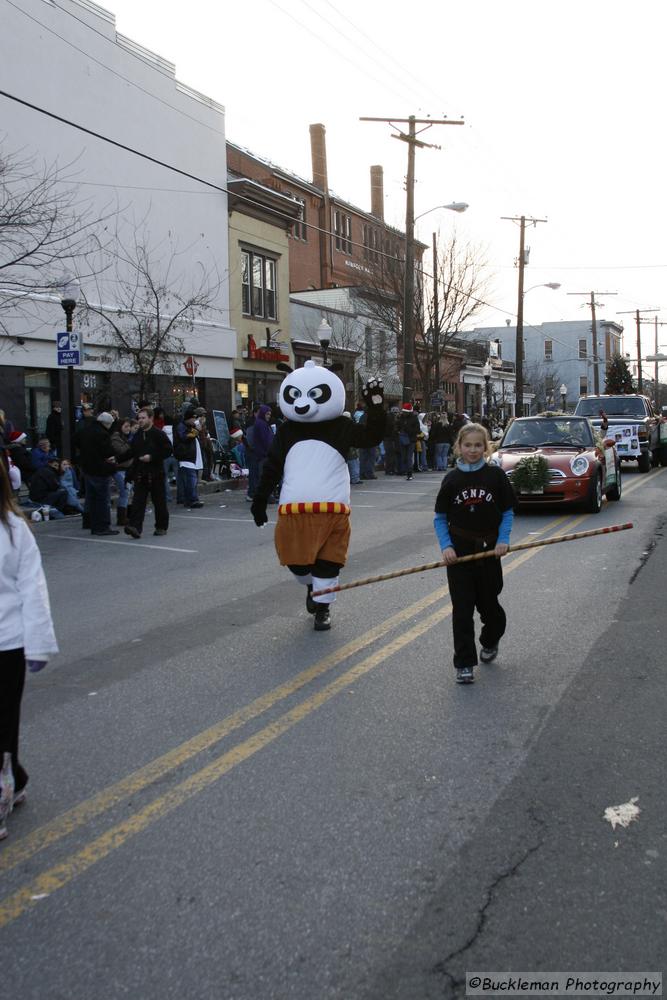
(224, 804)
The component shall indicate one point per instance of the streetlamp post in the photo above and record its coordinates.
(324, 333)
(69, 298)
(563, 397)
(486, 372)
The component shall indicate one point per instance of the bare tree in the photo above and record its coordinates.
(156, 307)
(449, 297)
(544, 382)
(45, 232)
(443, 301)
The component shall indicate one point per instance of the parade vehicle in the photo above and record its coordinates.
(558, 458)
(631, 421)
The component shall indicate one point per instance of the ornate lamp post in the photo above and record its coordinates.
(324, 333)
(486, 372)
(68, 300)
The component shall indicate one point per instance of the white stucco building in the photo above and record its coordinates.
(68, 61)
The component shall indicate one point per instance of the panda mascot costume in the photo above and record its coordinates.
(309, 454)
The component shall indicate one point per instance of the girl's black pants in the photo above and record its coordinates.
(475, 586)
(12, 679)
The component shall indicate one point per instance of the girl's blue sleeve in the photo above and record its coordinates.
(442, 531)
(506, 526)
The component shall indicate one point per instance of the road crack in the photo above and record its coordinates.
(453, 984)
(646, 555)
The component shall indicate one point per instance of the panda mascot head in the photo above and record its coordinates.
(312, 394)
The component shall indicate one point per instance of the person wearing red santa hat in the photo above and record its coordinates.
(19, 454)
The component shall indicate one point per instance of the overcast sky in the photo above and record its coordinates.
(564, 119)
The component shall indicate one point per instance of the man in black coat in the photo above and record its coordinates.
(45, 486)
(408, 429)
(98, 462)
(150, 447)
(54, 428)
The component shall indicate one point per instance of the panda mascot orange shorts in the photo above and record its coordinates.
(309, 454)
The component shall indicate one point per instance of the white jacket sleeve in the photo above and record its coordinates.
(39, 638)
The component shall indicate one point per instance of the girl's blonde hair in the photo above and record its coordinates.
(473, 429)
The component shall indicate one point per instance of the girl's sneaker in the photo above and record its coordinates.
(465, 675)
(487, 655)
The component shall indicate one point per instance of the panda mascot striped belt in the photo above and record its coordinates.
(309, 455)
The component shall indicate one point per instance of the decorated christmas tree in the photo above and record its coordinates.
(618, 377)
(531, 474)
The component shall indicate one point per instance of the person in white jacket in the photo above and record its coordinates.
(27, 638)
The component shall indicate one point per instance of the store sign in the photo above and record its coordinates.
(256, 353)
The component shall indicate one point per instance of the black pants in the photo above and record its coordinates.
(145, 485)
(12, 679)
(475, 585)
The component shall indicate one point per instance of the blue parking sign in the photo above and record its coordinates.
(68, 348)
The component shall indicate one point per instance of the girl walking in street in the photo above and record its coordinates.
(473, 513)
(26, 638)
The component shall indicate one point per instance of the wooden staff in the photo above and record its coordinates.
(476, 555)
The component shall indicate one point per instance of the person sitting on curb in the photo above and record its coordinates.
(45, 486)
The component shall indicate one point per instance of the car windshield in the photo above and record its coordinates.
(549, 431)
(613, 406)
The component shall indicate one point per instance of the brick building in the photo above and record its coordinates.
(334, 244)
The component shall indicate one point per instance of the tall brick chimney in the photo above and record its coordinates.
(377, 192)
(318, 152)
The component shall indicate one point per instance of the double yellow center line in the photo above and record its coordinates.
(61, 874)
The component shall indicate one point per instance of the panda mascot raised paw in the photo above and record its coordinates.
(309, 455)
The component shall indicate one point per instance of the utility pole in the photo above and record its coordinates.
(639, 321)
(518, 363)
(409, 282)
(436, 319)
(594, 330)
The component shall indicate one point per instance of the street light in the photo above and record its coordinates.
(454, 206)
(518, 363)
(68, 300)
(563, 396)
(324, 333)
(486, 372)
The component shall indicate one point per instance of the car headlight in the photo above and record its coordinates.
(579, 465)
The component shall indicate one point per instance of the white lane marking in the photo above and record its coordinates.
(221, 520)
(135, 544)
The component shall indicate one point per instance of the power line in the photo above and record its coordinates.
(329, 46)
(177, 170)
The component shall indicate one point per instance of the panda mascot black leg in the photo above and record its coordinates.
(321, 575)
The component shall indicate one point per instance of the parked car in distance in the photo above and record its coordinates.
(632, 422)
(581, 467)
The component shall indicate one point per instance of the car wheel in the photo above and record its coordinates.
(594, 502)
(614, 492)
(644, 461)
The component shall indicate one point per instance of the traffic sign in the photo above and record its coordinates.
(68, 349)
(190, 365)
